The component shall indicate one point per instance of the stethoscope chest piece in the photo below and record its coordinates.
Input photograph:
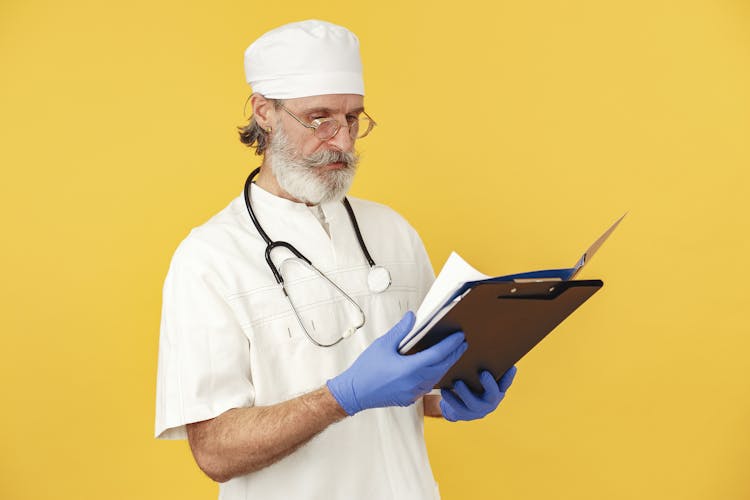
(378, 279)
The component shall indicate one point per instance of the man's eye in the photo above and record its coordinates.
(312, 118)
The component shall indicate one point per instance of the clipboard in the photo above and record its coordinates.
(502, 321)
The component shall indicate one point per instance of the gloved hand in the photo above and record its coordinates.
(463, 404)
(381, 377)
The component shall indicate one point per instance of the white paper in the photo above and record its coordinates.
(455, 272)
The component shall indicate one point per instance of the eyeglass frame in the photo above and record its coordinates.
(319, 121)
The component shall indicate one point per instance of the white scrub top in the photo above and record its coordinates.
(229, 339)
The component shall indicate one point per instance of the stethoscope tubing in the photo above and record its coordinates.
(375, 270)
(271, 245)
(358, 233)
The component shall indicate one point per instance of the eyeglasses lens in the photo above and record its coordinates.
(364, 126)
(327, 129)
(358, 128)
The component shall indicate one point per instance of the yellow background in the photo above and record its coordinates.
(512, 132)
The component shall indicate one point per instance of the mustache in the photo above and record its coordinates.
(322, 158)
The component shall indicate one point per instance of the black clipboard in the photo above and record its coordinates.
(502, 321)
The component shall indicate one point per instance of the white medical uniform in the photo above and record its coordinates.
(229, 339)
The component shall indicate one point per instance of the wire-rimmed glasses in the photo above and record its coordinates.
(326, 128)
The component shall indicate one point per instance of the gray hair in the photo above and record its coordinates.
(253, 135)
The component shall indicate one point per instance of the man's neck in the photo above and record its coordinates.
(268, 182)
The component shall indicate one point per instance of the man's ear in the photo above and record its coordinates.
(263, 110)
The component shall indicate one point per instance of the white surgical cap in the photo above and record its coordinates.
(304, 59)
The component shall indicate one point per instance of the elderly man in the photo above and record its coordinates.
(278, 355)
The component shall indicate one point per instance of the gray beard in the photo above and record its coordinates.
(302, 178)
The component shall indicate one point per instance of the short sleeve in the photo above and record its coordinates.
(204, 357)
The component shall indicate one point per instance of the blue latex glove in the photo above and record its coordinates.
(381, 377)
(463, 404)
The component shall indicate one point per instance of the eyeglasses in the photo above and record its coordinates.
(326, 128)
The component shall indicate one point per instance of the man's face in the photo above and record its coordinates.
(338, 106)
(311, 170)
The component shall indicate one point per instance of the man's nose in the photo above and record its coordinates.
(342, 140)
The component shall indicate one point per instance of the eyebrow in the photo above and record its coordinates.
(330, 111)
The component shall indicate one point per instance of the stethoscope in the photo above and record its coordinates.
(378, 278)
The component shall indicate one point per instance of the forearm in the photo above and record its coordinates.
(432, 405)
(244, 440)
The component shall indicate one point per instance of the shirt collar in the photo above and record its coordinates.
(268, 200)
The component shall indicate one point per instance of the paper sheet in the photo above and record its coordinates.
(454, 274)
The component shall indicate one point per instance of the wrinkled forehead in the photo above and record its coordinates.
(330, 103)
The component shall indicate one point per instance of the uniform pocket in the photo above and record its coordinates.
(284, 362)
